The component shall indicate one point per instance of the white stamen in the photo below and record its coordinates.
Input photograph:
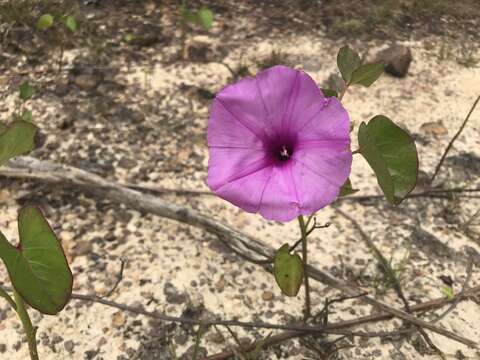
(284, 152)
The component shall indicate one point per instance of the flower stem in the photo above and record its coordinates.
(27, 325)
(342, 93)
(9, 299)
(303, 230)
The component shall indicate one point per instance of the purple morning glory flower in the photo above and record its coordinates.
(277, 145)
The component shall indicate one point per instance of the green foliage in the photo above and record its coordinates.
(367, 74)
(128, 38)
(354, 72)
(391, 274)
(329, 93)
(26, 91)
(205, 18)
(288, 271)
(27, 116)
(17, 139)
(44, 22)
(392, 154)
(37, 267)
(202, 17)
(347, 189)
(70, 23)
(347, 61)
(448, 292)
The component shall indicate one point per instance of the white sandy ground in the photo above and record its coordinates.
(158, 250)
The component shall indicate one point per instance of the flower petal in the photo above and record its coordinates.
(332, 161)
(314, 191)
(246, 192)
(278, 90)
(329, 122)
(243, 102)
(308, 100)
(280, 201)
(224, 130)
(227, 164)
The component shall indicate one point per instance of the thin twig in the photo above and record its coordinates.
(384, 264)
(447, 149)
(324, 312)
(309, 231)
(338, 327)
(459, 297)
(163, 190)
(432, 193)
(433, 304)
(117, 282)
(388, 271)
(31, 168)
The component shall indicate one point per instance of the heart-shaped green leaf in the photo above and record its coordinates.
(27, 116)
(44, 22)
(205, 18)
(3, 128)
(347, 189)
(347, 61)
(16, 139)
(37, 267)
(367, 74)
(288, 271)
(71, 23)
(392, 154)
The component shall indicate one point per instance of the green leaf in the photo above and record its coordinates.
(17, 139)
(288, 271)
(347, 189)
(392, 154)
(3, 128)
(329, 93)
(205, 18)
(71, 23)
(347, 61)
(44, 22)
(26, 91)
(367, 74)
(27, 116)
(129, 38)
(448, 292)
(37, 268)
(188, 16)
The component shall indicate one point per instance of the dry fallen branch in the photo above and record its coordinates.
(431, 193)
(46, 171)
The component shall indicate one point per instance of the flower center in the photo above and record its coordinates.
(284, 153)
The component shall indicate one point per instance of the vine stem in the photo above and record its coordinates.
(303, 230)
(342, 93)
(30, 331)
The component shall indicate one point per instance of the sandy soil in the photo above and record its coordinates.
(145, 122)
